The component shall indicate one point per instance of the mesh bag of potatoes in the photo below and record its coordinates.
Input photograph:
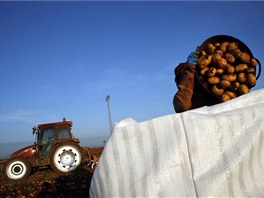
(226, 67)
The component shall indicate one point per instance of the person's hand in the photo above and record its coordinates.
(192, 58)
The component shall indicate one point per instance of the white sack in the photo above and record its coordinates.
(211, 151)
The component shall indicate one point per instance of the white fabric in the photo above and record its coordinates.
(125, 123)
(213, 151)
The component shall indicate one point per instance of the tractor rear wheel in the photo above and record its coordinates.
(66, 157)
(17, 168)
(94, 164)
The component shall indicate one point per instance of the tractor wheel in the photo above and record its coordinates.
(17, 168)
(94, 164)
(66, 157)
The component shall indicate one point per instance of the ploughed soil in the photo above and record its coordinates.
(46, 183)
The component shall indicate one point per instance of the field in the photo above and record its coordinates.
(45, 183)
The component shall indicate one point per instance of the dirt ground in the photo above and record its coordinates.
(46, 183)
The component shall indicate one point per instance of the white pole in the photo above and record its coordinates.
(107, 99)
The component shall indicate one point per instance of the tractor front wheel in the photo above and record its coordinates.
(66, 157)
(17, 168)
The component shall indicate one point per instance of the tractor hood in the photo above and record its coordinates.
(25, 152)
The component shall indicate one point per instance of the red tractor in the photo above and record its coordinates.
(55, 147)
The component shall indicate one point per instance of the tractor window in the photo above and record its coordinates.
(46, 140)
(47, 134)
(64, 132)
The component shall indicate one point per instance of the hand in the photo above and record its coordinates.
(192, 58)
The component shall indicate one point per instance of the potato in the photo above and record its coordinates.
(217, 58)
(203, 53)
(237, 53)
(243, 89)
(210, 48)
(222, 64)
(234, 86)
(211, 72)
(217, 90)
(220, 71)
(230, 58)
(230, 69)
(241, 67)
(204, 71)
(253, 62)
(214, 80)
(251, 80)
(232, 46)
(231, 94)
(225, 97)
(217, 44)
(241, 77)
(204, 61)
(225, 84)
(244, 58)
(229, 77)
(223, 46)
(251, 70)
(220, 52)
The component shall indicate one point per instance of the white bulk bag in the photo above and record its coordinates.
(213, 151)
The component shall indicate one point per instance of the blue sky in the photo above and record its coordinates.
(61, 59)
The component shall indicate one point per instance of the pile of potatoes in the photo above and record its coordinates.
(225, 70)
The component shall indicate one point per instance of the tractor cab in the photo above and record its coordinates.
(51, 133)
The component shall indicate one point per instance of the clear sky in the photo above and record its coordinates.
(61, 59)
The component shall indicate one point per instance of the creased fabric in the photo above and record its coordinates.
(213, 151)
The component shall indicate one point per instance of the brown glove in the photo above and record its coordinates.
(182, 100)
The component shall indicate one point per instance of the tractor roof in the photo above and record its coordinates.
(64, 122)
